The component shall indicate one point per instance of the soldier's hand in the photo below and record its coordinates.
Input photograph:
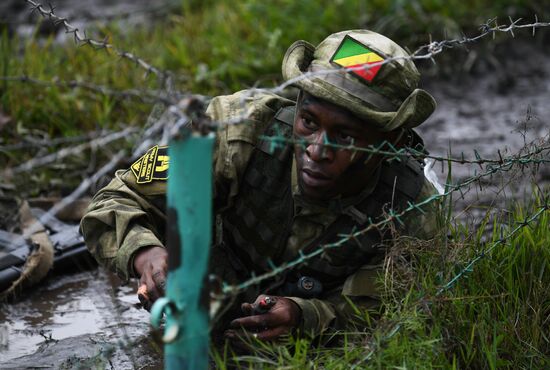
(151, 265)
(279, 320)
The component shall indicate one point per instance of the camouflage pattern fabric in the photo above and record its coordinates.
(126, 215)
(365, 72)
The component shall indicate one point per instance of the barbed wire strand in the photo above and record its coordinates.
(389, 150)
(429, 51)
(81, 38)
(468, 268)
(506, 165)
(143, 95)
(425, 52)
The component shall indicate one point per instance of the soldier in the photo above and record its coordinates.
(274, 205)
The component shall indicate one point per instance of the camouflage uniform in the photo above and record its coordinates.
(263, 217)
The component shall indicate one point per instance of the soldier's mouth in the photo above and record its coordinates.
(314, 178)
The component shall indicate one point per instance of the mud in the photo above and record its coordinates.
(501, 107)
(81, 320)
(17, 16)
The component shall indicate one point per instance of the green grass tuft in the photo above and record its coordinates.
(496, 316)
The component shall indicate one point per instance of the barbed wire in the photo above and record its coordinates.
(81, 38)
(392, 216)
(428, 51)
(536, 154)
(527, 221)
(424, 52)
(385, 148)
(143, 95)
(389, 150)
(484, 253)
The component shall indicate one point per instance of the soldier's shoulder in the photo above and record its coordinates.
(246, 105)
(149, 173)
(246, 114)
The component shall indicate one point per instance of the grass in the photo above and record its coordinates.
(213, 47)
(496, 316)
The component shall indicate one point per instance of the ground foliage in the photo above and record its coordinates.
(214, 47)
(496, 316)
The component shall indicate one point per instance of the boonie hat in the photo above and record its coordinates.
(364, 72)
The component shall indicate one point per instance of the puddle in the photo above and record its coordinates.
(88, 311)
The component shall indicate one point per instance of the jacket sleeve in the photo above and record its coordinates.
(126, 216)
(121, 220)
(338, 309)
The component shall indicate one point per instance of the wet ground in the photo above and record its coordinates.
(78, 321)
(85, 319)
(17, 15)
(88, 319)
(496, 111)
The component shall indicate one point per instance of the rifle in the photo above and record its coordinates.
(69, 250)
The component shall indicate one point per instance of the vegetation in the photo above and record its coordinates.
(215, 47)
(496, 315)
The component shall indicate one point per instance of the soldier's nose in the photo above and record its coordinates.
(317, 149)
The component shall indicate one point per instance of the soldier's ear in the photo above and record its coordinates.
(397, 137)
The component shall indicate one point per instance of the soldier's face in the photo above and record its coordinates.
(327, 171)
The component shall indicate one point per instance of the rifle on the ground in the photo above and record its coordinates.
(69, 250)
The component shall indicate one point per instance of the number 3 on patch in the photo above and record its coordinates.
(153, 165)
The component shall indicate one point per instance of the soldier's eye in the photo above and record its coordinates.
(344, 138)
(309, 124)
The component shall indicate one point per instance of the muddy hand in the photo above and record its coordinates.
(150, 264)
(280, 316)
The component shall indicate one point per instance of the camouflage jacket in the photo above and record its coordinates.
(129, 214)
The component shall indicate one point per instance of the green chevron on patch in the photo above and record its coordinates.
(353, 55)
(153, 165)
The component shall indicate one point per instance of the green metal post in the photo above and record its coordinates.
(189, 229)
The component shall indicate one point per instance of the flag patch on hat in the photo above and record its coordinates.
(353, 55)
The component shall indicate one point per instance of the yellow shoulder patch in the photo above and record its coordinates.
(153, 165)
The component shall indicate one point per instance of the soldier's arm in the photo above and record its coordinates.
(121, 220)
(340, 309)
(128, 216)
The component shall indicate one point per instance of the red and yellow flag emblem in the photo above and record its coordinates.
(351, 54)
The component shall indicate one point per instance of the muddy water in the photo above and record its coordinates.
(78, 320)
(84, 319)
